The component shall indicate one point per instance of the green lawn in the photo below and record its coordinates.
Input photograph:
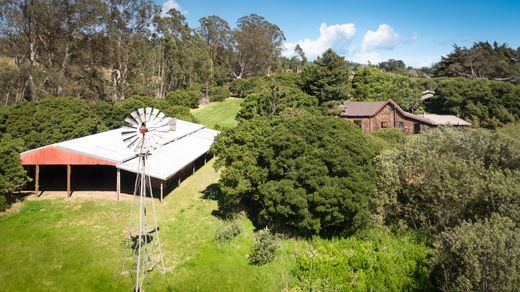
(219, 115)
(77, 245)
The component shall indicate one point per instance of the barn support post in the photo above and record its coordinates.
(69, 193)
(205, 159)
(161, 191)
(118, 184)
(37, 180)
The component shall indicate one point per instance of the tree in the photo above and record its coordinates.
(306, 174)
(371, 84)
(327, 78)
(480, 256)
(392, 65)
(51, 120)
(12, 175)
(259, 44)
(275, 99)
(493, 61)
(219, 37)
(446, 176)
(126, 22)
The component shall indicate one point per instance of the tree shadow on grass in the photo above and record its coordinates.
(213, 192)
(13, 198)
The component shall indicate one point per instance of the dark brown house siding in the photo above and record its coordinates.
(389, 116)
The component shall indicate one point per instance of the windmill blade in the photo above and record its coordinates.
(131, 122)
(136, 117)
(142, 115)
(155, 112)
(148, 114)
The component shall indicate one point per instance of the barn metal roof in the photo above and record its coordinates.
(166, 161)
(187, 143)
(445, 120)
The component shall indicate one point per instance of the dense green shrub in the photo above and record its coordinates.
(264, 249)
(184, 97)
(373, 261)
(219, 93)
(228, 231)
(385, 139)
(327, 78)
(485, 103)
(305, 173)
(371, 84)
(274, 100)
(480, 256)
(3, 203)
(445, 176)
(12, 175)
(511, 130)
(243, 87)
(51, 120)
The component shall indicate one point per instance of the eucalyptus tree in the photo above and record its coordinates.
(258, 46)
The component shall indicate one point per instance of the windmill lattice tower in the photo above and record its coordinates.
(145, 131)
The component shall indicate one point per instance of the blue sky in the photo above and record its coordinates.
(418, 32)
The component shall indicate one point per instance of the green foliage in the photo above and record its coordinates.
(51, 120)
(184, 97)
(445, 176)
(274, 100)
(480, 256)
(3, 203)
(385, 139)
(114, 114)
(12, 175)
(264, 249)
(481, 60)
(511, 130)
(485, 103)
(327, 78)
(243, 87)
(373, 261)
(219, 93)
(228, 231)
(371, 84)
(306, 173)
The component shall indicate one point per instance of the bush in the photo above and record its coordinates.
(12, 175)
(385, 139)
(184, 97)
(373, 261)
(51, 120)
(446, 176)
(306, 174)
(228, 231)
(243, 87)
(219, 93)
(264, 249)
(3, 203)
(275, 100)
(480, 256)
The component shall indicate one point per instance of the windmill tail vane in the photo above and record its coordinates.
(144, 132)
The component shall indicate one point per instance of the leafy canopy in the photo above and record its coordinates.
(306, 174)
(327, 78)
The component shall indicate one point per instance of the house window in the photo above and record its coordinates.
(416, 128)
(357, 123)
(384, 125)
(400, 125)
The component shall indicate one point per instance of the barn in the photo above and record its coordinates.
(101, 162)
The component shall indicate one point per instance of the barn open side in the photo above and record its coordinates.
(101, 162)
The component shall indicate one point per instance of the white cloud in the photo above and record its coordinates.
(169, 4)
(336, 36)
(383, 38)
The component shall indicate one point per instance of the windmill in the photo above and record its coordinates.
(145, 130)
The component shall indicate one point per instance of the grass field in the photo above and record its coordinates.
(77, 245)
(219, 115)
